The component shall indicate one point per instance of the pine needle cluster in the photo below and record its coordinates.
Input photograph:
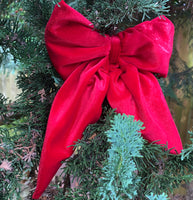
(114, 15)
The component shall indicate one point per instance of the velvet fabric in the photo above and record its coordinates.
(96, 66)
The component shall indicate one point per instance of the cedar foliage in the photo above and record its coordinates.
(152, 171)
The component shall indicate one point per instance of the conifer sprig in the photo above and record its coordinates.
(119, 179)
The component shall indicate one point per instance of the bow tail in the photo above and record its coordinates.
(139, 94)
(77, 104)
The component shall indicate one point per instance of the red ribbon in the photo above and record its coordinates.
(94, 66)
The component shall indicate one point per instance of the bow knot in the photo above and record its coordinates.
(115, 50)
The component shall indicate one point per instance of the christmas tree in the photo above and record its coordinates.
(112, 160)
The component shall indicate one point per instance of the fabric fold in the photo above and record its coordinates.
(75, 106)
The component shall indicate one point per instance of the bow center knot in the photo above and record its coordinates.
(115, 50)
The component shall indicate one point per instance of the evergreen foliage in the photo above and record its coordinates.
(119, 179)
(24, 119)
(17, 150)
(114, 15)
(103, 174)
(99, 159)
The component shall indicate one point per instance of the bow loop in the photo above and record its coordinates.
(70, 40)
(149, 45)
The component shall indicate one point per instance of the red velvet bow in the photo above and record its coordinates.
(94, 66)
